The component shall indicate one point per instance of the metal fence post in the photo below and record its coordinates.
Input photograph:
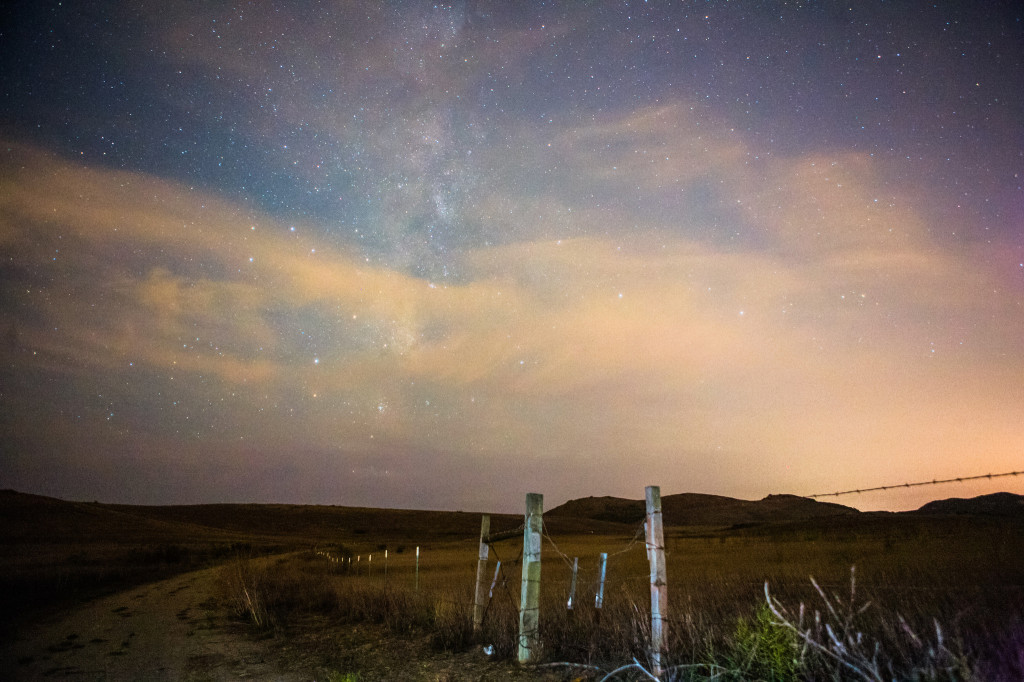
(599, 597)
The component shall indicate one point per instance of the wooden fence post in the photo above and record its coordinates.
(529, 601)
(599, 597)
(480, 599)
(659, 581)
(417, 568)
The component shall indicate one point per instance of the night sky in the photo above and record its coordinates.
(440, 255)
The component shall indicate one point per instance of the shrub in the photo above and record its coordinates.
(763, 649)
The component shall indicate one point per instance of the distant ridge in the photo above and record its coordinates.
(27, 518)
(696, 509)
(995, 504)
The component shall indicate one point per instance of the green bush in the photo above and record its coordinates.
(764, 650)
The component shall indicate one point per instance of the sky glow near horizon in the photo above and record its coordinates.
(439, 256)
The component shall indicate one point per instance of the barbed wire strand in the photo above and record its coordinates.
(640, 530)
(958, 479)
(544, 532)
(504, 577)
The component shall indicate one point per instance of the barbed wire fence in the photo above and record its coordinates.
(584, 581)
(619, 572)
(958, 479)
(350, 563)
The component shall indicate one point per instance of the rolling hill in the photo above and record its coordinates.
(996, 504)
(695, 509)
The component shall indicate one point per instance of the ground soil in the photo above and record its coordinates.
(181, 629)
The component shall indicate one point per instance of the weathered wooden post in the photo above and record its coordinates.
(417, 568)
(480, 599)
(599, 597)
(529, 601)
(659, 581)
(572, 584)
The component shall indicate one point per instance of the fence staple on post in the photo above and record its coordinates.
(529, 602)
(659, 580)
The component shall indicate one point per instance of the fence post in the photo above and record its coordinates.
(572, 584)
(417, 568)
(599, 597)
(497, 570)
(479, 600)
(529, 601)
(659, 581)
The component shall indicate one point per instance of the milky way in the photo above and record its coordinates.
(440, 255)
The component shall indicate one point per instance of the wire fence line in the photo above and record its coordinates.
(638, 538)
(588, 578)
(504, 571)
(626, 577)
(958, 479)
(611, 580)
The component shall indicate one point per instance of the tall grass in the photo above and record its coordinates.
(931, 601)
(272, 594)
(831, 636)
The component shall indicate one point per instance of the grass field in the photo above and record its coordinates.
(943, 598)
(943, 595)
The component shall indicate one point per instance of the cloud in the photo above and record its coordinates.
(796, 315)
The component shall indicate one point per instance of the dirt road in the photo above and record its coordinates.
(170, 630)
(179, 629)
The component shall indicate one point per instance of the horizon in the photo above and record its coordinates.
(547, 506)
(445, 254)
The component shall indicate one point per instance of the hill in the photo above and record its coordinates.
(996, 504)
(27, 519)
(695, 509)
(36, 519)
(325, 522)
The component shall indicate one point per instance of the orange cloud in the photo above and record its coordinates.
(843, 334)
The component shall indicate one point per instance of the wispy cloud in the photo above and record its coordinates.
(767, 310)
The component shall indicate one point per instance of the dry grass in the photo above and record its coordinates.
(939, 606)
(967, 574)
